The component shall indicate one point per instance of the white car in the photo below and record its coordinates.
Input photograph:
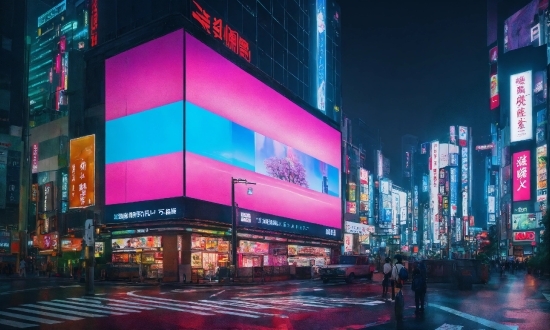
(348, 268)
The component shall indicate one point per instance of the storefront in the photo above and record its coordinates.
(208, 253)
(69, 262)
(143, 252)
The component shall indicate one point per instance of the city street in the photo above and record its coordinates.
(515, 301)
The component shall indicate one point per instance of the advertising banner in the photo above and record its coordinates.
(464, 175)
(495, 98)
(521, 107)
(454, 190)
(34, 157)
(358, 228)
(539, 87)
(524, 236)
(452, 134)
(524, 221)
(541, 173)
(443, 155)
(82, 172)
(434, 188)
(144, 242)
(462, 136)
(47, 197)
(71, 244)
(348, 243)
(540, 135)
(363, 176)
(521, 181)
(254, 247)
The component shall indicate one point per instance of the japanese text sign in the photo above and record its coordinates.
(82, 172)
(521, 162)
(35, 158)
(521, 108)
(215, 27)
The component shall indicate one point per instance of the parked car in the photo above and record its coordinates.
(348, 269)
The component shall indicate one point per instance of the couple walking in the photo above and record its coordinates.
(392, 278)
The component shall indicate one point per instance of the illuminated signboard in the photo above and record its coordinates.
(321, 59)
(521, 169)
(93, 23)
(132, 243)
(50, 14)
(144, 165)
(521, 107)
(82, 172)
(434, 188)
(524, 221)
(524, 236)
(523, 27)
(34, 158)
(222, 31)
(541, 173)
(495, 98)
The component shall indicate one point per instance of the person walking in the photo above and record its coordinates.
(396, 281)
(22, 268)
(419, 287)
(386, 271)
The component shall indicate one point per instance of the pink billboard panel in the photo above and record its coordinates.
(236, 126)
(521, 168)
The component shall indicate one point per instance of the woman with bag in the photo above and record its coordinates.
(387, 275)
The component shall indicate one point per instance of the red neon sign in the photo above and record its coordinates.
(524, 236)
(93, 25)
(214, 26)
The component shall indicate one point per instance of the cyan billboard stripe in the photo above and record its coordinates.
(154, 132)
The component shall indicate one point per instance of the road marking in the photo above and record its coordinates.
(163, 305)
(98, 308)
(59, 316)
(53, 309)
(29, 318)
(79, 308)
(17, 324)
(547, 296)
(485, 322)
(215, 294)
(221, 304)
(446, 326)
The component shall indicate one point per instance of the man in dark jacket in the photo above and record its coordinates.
(419, 287)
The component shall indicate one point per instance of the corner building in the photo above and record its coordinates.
(178, 113)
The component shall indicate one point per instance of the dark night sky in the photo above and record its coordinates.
(416, 67)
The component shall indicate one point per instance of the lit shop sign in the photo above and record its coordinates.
(34, 158)
(524, 236)
(521, 162)
(485, 146)
(93, 25)
(168, 208)
(358, 228)
(144, 242)
(521, 107)
(247, 218)
(218, 30)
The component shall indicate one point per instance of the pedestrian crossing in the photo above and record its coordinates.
(56, 311)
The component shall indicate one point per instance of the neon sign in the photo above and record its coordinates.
(93, 25)
(524, 236)
(218, 30)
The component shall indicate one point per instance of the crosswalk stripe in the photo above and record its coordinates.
(17, 324)
(225, 302)
(231, 309)
(29, 318)
(79, 308)
(59, 316)
(162, 305)
(220, 310)
(280, 305)
(99, 307)
(114, 305)
(124, 301)
(48, 308)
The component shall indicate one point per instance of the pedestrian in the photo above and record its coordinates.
(419, 287)
(396, 281)
(387, 278)
(22, 270)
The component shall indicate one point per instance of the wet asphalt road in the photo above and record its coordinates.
(515, 301)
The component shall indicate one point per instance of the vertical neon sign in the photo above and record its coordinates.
(321, 72)
(521, 164)
(93, 25)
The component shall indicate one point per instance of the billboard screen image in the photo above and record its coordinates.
(82, 172)
(228, 125)
(524, 27)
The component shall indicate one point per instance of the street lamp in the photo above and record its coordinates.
(234, 218)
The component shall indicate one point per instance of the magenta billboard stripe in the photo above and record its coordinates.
(144, 179)
(210, 180)
(217, 85)
(115, 183)
(144, 77)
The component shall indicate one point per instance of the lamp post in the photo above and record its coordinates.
(234, 219)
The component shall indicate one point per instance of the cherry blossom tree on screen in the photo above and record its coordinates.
(287, 169)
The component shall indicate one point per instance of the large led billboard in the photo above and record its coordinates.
(228, 125)
(238, 127)
(521, 107)
(525, 27)
(521, 168)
